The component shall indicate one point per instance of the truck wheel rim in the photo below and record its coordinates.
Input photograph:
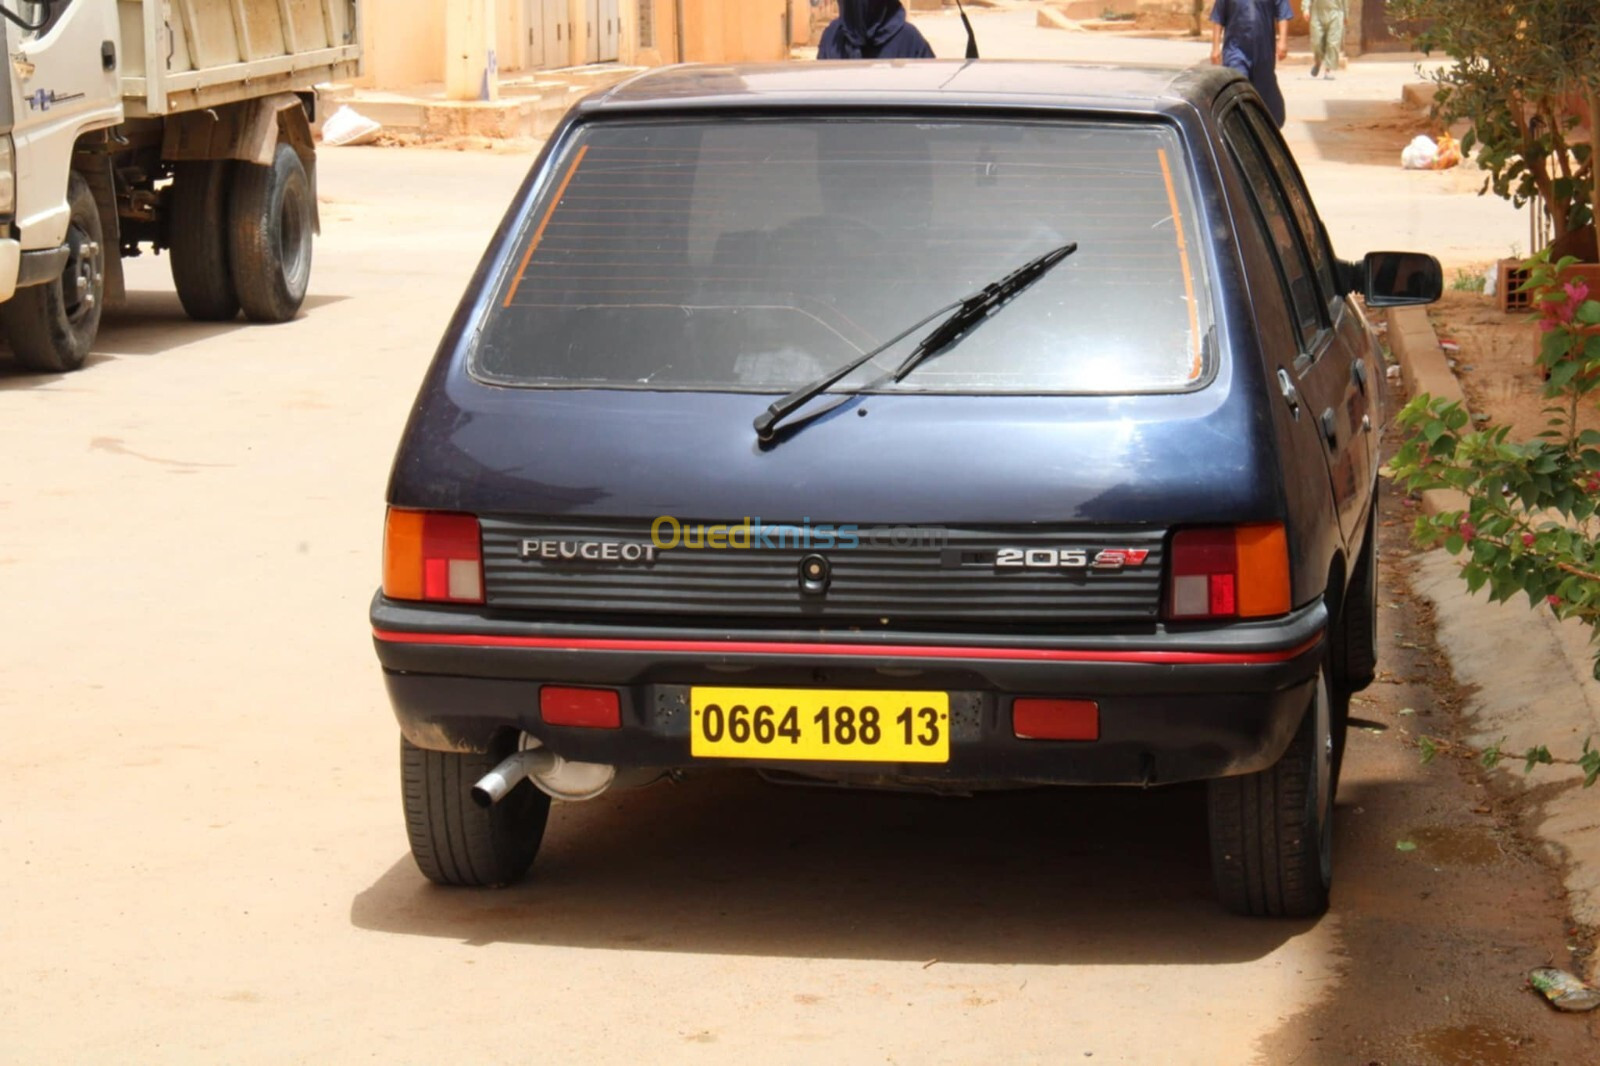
(80, 288)
(294, 247)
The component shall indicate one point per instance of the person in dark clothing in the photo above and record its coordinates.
(873, 29)
(1251, 36)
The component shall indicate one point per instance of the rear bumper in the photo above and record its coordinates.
(1174, 706)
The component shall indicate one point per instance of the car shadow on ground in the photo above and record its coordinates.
(148, 324)
(730, 865)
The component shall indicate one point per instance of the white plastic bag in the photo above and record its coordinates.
(1420, 154)
(346, 127)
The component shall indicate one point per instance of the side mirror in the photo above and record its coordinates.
(1401, 279)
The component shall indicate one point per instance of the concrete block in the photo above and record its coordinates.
(1052, 18)
(1419, 95)
(1422, 364)
(407, 116)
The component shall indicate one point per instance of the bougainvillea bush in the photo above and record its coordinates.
(1530, 526)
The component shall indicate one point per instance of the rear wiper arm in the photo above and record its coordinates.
(965, 315)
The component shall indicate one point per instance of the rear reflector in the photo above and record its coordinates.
(432, 556)
(1238, 572)
(588, 708)
(1055, 719)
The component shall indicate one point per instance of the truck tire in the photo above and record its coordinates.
(453, 840)
(51, 327)
(1272, 831)
(199, 240)
(269, 237)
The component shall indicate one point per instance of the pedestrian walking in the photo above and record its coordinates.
(1250, 36)
(1327, 36)
(873, 29)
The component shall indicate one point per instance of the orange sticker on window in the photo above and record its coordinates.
(1197, 366)
(544, 224)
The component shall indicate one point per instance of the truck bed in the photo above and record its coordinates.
(182, 55)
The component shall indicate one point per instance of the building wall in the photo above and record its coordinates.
(662, 48)
(403, 42)
(404, 39)
(734, 31)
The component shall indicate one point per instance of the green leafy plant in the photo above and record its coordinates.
(1467, 281)
(1520, 73)
(1532, 522)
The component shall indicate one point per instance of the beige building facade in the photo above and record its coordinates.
(410, 43)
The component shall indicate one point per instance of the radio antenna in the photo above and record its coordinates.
(972, 38)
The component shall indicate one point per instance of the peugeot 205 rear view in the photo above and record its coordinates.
(929, 425)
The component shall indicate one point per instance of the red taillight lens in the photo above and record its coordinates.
(1237, 572)
(428, 555)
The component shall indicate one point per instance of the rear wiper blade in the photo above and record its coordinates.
(977, 308)
(965, 315)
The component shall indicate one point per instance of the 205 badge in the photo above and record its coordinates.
(1070, 558)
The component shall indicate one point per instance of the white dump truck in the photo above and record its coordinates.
(177, 125)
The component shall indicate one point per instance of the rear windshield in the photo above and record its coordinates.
(758, 255)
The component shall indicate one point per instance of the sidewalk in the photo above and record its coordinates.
(529, 107)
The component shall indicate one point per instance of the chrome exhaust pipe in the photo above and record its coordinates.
(497, 784)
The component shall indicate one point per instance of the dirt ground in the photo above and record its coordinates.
(1495, 360)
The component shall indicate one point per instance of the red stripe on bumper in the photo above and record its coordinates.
(881, 651)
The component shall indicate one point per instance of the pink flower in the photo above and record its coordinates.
(1468, 531)
(1527, 540)
(1562, 313)
(1554, 601)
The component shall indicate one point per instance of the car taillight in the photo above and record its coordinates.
(428, 555)
(1237, 572)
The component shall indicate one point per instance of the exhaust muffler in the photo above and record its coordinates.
(550, 773)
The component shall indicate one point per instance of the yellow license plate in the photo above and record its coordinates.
(805, 725)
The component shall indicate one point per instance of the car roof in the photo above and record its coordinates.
(922, 83)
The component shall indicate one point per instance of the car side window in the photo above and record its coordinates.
(1281, 228)
(35, 14)
(1305, 214)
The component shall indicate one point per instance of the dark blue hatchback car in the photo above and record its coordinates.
(948, 426)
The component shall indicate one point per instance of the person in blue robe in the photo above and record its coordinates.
(873, 29)
(1250, 36)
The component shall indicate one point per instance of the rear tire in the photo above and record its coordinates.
(1356, 650)
(1272, 831)
(453, 840)
(51, 327)
(1355, 639)
(199, 240)
(269, 237)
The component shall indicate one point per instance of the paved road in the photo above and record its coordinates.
(199, 798)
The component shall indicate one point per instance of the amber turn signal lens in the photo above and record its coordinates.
(1263, 553)
(1237, 572)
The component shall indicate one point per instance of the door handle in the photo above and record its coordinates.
(1291, 394)
(1358, 371)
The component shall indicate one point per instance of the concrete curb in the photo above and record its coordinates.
(1530, 674)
